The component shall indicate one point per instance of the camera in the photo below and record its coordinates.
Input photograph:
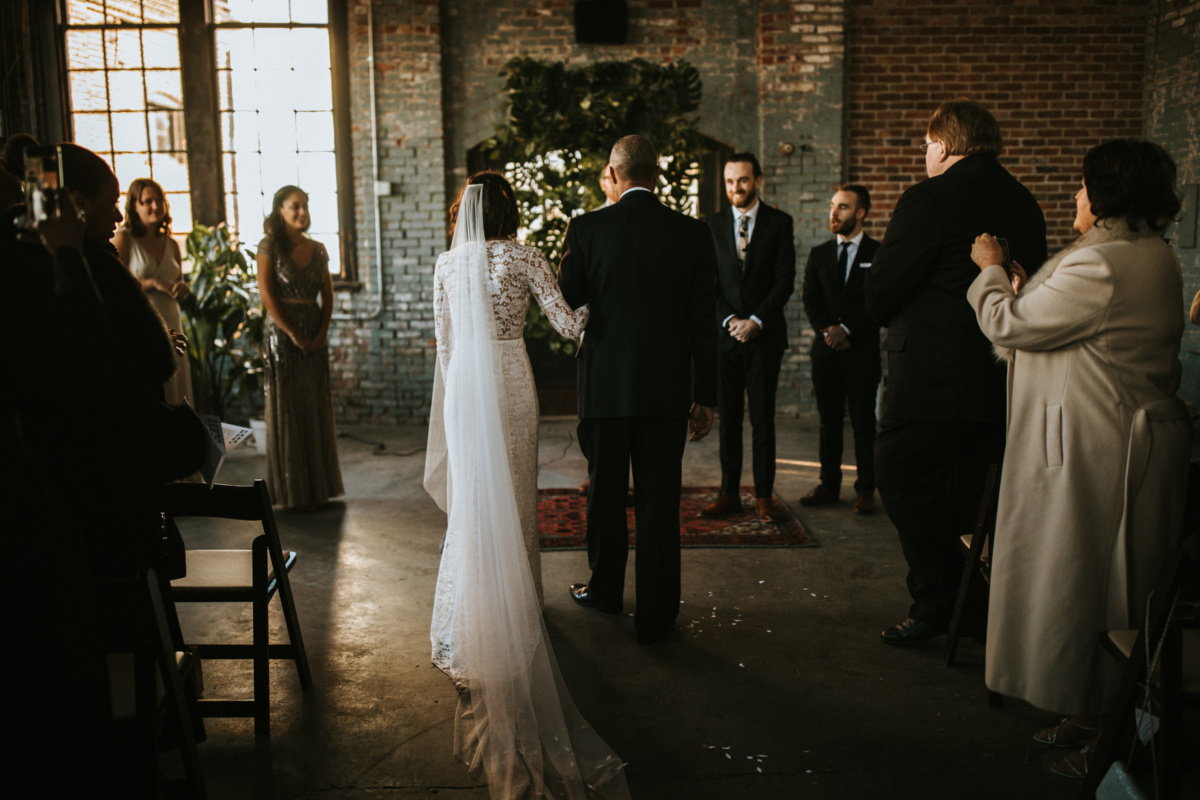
(43, 183)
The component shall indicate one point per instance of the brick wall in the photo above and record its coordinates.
(1059, 75)
(1172, 118)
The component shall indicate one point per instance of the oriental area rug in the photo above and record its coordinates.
(562, 518)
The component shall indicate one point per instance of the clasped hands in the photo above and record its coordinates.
(743, 329)
(701, 421)
(987, 252)
(836, 337)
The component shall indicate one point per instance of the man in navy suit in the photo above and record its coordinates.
(845, 352)
(756, 274)
(647, 373)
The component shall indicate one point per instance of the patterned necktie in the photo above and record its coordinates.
(842, 260)
(743, 239)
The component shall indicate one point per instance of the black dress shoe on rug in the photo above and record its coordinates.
(913, 631)
(581, 595)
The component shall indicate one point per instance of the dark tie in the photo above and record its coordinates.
(842, 262)
(743, 239)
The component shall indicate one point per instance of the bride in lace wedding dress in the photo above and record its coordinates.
(516, 724)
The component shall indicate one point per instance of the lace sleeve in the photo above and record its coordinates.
(441, 319)
(568, 323)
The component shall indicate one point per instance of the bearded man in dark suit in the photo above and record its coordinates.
(845, 352)
(647, 273)
(944, 401)
(756, 274)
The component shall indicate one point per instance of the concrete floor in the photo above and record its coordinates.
(780, 688)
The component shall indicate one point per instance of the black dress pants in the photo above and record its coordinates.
(748, 371)
(931, 477)
(840, 380)
(653, 446)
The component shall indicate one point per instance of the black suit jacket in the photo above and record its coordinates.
(830, 298)
(648, 274)
(940, 365)
(768, 281)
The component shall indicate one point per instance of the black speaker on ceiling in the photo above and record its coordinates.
(601, 21)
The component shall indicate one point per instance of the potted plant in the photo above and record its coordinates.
(223, 320)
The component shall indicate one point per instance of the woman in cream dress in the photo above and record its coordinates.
(146, 248)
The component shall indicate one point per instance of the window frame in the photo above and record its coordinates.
(202, 120)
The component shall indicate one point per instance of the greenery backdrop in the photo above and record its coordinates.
(563, 122)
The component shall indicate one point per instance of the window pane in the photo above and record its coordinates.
(235, 49)
(85, 12)
(123, 49)
(239, 131)
(277, 132)
(313, 91)
(129, 133)
(163, 89)
(279, 169)
(310, 11)
(91, 131)
(126, 90)
(314, 131)
(170, 170)
(160, 10)
(310, 47)
(251, 10)
(273, 48)
(161, 49)
(85, 50)
(181, 214)
(237, 90)
(274, 89)
(88, 92)
(166, 131)
(129, 166)
(124, 11)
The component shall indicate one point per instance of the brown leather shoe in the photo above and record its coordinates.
(769, 511)
(865, 504)
(723, 506)
(819, 496)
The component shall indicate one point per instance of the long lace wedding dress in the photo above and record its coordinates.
(516, 724)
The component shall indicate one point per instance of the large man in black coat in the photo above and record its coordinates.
(845, 351)
(756, 274)
(944, 402)
(647, 273)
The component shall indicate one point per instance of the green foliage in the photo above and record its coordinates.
(224, 322)
(563, 123)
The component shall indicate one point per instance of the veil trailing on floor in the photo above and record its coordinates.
(516, 725)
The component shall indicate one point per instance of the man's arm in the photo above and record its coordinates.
(784, 270)
(908, 252)
(702, 336)
(813, 297)
(571, 278)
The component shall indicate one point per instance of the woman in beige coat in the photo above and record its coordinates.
(1093, 484)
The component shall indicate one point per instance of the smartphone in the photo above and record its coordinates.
(1006, 255)
(43, 183)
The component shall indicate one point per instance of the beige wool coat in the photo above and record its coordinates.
(1093, 484)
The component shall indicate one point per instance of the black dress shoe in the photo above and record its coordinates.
(581, 595)
(913, 631)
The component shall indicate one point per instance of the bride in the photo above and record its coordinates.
(516, 725)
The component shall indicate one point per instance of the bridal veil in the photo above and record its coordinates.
(516, 724)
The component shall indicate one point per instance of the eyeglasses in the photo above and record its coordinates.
(925, 146)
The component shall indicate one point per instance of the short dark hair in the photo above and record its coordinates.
(83, 170)
(133, 223)
(965, 128)
(634, 159)
(501, 218)
(1134, 179)
(273, 225)
(864, 197)
(746, 158)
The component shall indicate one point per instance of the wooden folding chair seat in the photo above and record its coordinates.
(241, 576)
(147, 688)
(1171, 675)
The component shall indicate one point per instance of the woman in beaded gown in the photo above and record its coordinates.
(293, 272)
(516, 725)
(147, 250)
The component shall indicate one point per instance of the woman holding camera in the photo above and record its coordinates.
(1094, 479)
(147, 250)
(293, 272)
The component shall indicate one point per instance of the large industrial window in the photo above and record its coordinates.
(270, 82)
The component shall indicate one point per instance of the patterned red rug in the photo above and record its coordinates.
(562, 517)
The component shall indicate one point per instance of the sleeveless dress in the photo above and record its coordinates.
(302, 462)
(515, 271)
(166, 270)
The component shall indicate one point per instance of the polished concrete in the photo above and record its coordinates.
(778, 686)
